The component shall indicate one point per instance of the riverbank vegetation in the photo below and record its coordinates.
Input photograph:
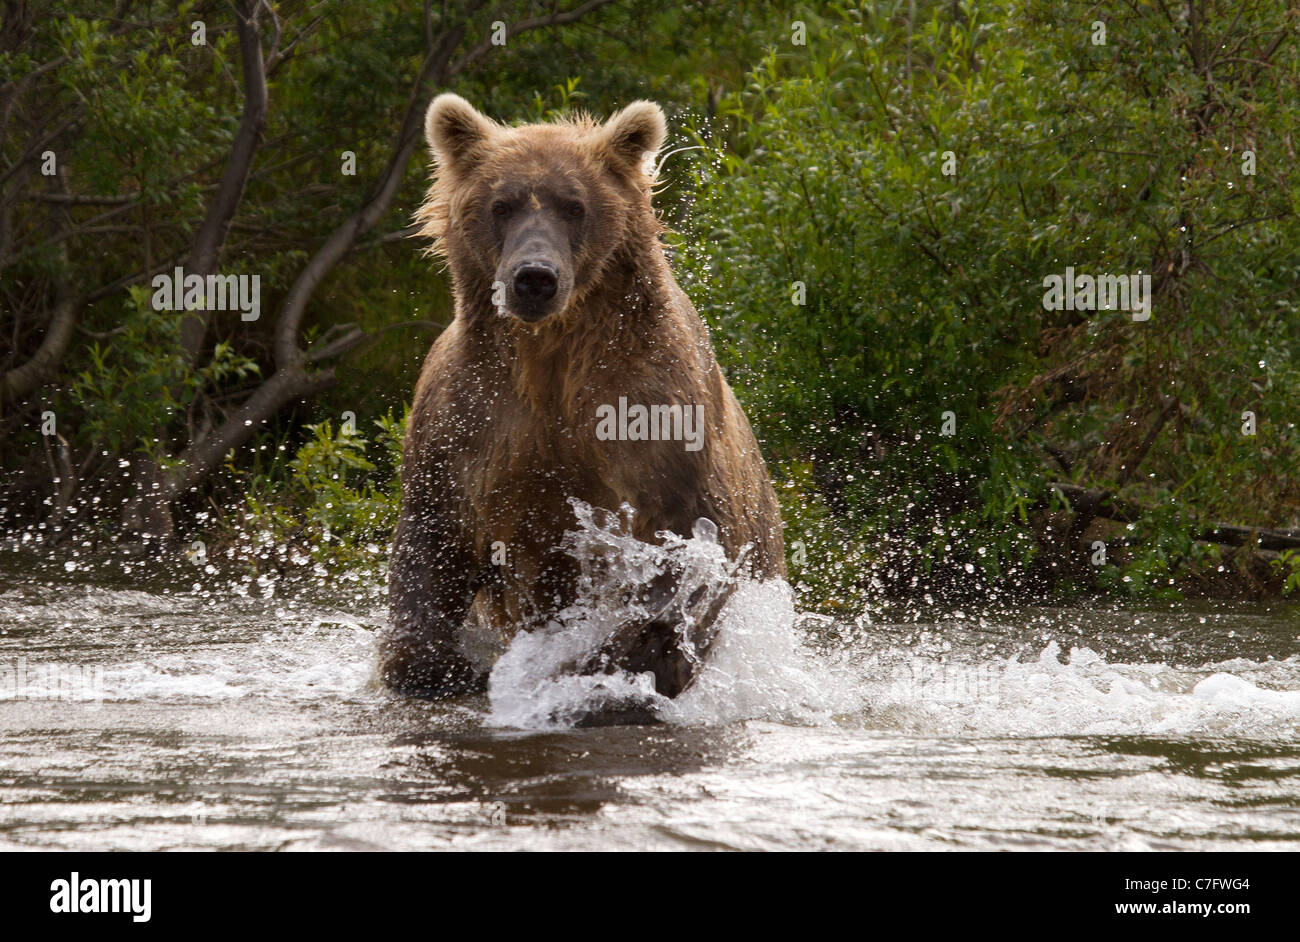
(868, 205)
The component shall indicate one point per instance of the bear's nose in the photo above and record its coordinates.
(535, 281)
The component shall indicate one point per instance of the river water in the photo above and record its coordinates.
(199, 711)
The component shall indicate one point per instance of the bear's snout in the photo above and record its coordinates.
(535, 284)
(536, 264)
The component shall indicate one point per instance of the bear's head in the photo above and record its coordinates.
(533, 215)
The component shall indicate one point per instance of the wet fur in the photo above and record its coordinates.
(502, 430)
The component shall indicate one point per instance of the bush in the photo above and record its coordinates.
(329, 504)
(876, 219)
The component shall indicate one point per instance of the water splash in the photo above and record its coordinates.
(757, 668)
(1064, 672)
(1080, 694)
(761, 666)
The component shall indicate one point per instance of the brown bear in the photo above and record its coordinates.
(575, 367)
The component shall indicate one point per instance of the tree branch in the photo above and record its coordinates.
(1097, 503)
(293, 379)
(23, 379)
(206, 251)
(206, 453)
(287, 352)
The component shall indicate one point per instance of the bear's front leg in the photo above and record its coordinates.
(673, 643)
(431, 586)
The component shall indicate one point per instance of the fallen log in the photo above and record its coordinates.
(1089, 503)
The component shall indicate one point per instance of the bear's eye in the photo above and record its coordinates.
(575, 211)
(500, 208)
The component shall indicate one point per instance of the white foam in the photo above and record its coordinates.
(301, 662)
(756, 668)
(1080, 695)
(761, 668)
(185, 647)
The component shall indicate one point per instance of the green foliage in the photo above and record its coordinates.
(135, 382)
(1287, 565)
(834, 187)
(142, 122)
(924, 289)
(822, 560)
(910, 176)
(1156, 549)
(329, 503)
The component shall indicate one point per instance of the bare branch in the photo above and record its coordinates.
(281, 56)
(21, 380)
(1089, 503)
(322, 350)
(210, 238)
(339, 243)
(207, 452)
(73, 200)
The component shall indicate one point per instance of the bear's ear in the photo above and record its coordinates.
(455, 130)
(637, 130)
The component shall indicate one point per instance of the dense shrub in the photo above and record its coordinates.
(924, 289)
